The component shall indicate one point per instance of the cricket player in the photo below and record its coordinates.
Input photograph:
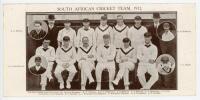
(65, 58)
(38, 33)
(147, 54)
(126, 57)
(49, 53)
(105, 57)
(136, 32)
(167, 34)
(86, 31)
(67, 31)
(103, 29)
(86, 56)
(120, 31)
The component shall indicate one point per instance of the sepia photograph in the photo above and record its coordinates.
(101, 51)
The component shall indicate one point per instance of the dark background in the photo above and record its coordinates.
(33, 82)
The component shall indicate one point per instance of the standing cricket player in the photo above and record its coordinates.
(126, 57)
(103, 29)
(105, 57)
(86, 31)
(120, 31)
(67, 31)
(65, 58)
(147, 54)
(86, 57)
(136, 32)
(49, 53)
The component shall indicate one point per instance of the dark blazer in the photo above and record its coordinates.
(37, 36)
(155, 39)
(40, 71)
(52, 36)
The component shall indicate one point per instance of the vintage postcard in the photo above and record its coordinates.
(99, 49)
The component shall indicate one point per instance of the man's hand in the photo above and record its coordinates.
(151, 61)
(124, 59)
(110, 60)
(82, 58)
(65, 65)
(90, 56)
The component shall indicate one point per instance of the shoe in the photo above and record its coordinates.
(111, 86)
(61, 86)
(43, 87)
(68, 86)
(82, 87)
(98, 86)
(126, 87)
(115, 82)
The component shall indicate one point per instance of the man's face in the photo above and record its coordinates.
(85, 41)
(138, 22)
(120, 20)
(67, 25)
(166, 26)
(86, 24)
(126, 44)
(51, 22)
(106, 41)
(38, 26)
(66, 43)
(148, 39)
(37, 62)
(45, 44)
(156, 20)
(103, 22)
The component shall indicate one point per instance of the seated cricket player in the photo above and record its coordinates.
(65, 58)
(85, 58)
(105, 57)
(147, 54)
(165, 66)
(49, 53)
(126, 57)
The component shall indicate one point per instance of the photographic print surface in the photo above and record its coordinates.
(53, 27)
(99, 50)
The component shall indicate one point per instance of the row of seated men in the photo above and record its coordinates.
(105, 54)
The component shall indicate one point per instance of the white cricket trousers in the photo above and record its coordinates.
(147, 68)
(86, 68)
(47, 74)
(110, 66)
(59, 69)
(123, 72)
